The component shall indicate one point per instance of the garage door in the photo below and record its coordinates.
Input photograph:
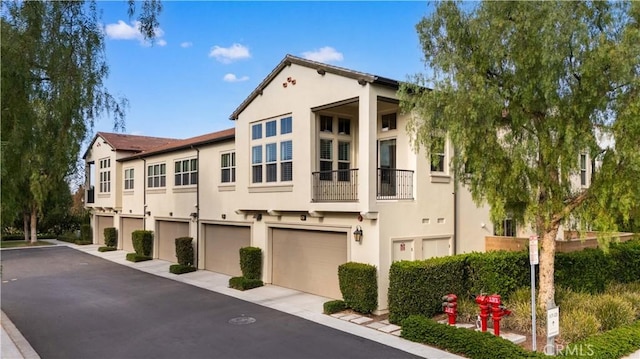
(128, 226)
(166, 238)
(102, 222)
(308, 260)
(222, 246)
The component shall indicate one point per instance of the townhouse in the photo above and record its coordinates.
(316, 171)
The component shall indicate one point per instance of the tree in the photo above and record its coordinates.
(53, 70)
(521, 89)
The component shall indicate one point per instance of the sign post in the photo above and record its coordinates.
(553, 329)
(533, 260)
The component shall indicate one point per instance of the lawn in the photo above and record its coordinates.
(17, 244)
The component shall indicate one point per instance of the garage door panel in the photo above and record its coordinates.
(128, 226)
(222, 247)
(308, 260)
(168, 231)
(102, 222)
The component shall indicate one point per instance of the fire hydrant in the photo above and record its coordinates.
(483, 302)
(498, 311)
(450, 305)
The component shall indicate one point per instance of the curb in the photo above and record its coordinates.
(22, 346)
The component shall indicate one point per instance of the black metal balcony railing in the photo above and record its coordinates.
(91, 195)
(394, 184)
(335, 186)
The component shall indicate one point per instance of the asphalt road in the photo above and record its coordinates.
(70, 305)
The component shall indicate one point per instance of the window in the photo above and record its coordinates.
(156, 175)
(256, 131)
(271, 128)
(389, 122)
(506, 228)
(128, 178)
(256, 164)
(286, 161)
(583, 170)
(344, 164)
(326, 124)
(186, 172)
(338, 143)
(271, 161)
(286, 125)
(228, 167)
(344, 126)
(437, 154)
(326, 159)
(105, 175)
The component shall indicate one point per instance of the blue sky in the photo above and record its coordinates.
(210, 55)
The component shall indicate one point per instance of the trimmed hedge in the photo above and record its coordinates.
(67, 238)
(359, 286)
(135, 257)
(613, 344)
(142, 242)
(106, 249)
(251, 262)
(20, 237)
(81, 242)
(417, 287)
(629, 254)
(184, 251)
(111, 237)
(469, 343)
(334, 306)
(242, 283)
(588, 270)
(499, 272)
(86, 233)
(181, 269)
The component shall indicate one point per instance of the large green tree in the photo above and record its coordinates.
(521, 89)
(53, 72)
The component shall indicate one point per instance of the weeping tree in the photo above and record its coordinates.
(53, 72)
(522, 90)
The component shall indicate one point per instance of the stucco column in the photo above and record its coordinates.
(367, 162)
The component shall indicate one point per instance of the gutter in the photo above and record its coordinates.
(195, 260)
(144, 194)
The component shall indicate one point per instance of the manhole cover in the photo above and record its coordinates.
(242, 320)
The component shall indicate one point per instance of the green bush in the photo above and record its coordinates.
(469, 343)
(107, 249)
(111, 237)
(181, 269)
(417, 287)
(20, 237)
(626, 259)
(612, 311)
(630, 292)
(334, 306)
(613, 344)
(519, 303)
(135, 257)
(68, 237)
(242, 283)
(81, 242)
(142, 242)
(359, 286)
(577, 324)
(251, 262)
(498, 272)
(588, 270)
(184, 251)
(86, 233)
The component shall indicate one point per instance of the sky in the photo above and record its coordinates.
(209, 55)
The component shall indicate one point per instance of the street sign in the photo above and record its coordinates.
(553, 322)
(533, 250)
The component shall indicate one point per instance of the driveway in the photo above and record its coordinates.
(69, 304)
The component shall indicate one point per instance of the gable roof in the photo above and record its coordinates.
(132, 143)
(362, 78)
(209, 138)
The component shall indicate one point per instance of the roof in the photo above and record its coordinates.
(209, 138)
(362, 77)
(132, 143)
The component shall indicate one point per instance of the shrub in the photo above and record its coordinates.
(181, 269)
(81, 242)
(142, 242)
(184, 251)
(359, 286)
(611, 311)
(242, 283)
(613, 344)
(251, 262)
(626, 257)
(520, 319)
(68, 237)
(106, 249)
(20, 237)
(467, 310)
(417, 287)
(577, 324)
(629, 292)
(498, 272)
(135, 257)
(86, 233)
(588, 270)
(334, 306)
(111, 237)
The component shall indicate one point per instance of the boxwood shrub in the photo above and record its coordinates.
(142, 242)
(251, 262)
(181, 269)
(334, 306)
(359, 286)
(626, 259)
(588, 270)
(111, 237)
(184, 251)
(86, 233)
(106, 249)
(500, 272)
(613, 344)
(135, 257)
(242, 283)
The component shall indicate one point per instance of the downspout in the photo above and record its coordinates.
(144, 194)
(195, 260)
(455, 214)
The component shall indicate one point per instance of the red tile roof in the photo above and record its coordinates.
(122, 142)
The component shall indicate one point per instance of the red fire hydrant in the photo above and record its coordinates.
(498, 311)
(483, 302)
(450, 305)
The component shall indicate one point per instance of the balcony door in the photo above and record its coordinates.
(387, 168)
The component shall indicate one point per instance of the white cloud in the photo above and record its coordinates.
(323, 54)
(233, 78)
(227, 55)
(186, 44)
(124, 31)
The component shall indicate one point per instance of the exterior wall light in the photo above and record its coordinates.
(357, 234)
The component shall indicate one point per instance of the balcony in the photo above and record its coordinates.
(394, 184)
(335, 186)
(91, 195)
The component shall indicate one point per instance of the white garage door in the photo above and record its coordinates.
(308, 260)
(435, 247)
(166, 235)
(102, 222)
(222, 248)
(128, 226)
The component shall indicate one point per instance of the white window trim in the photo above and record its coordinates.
(263, 141)
(584, 180)
(104, 175)
(131, 179)
(231, 168)
(336, 138)
(147, 176)
(190, 172)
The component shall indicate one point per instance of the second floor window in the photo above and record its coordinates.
(437, 154)
(228, 167)
(186, 172)
(128, 178)
(506, 228)
(583, 170)
(105, 175)
(157, 175)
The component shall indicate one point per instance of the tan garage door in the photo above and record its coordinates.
(308, 260)
(102, 222)
(128, 226)
(166, 238)
(222, 246)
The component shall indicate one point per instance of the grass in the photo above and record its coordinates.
(18, 244)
